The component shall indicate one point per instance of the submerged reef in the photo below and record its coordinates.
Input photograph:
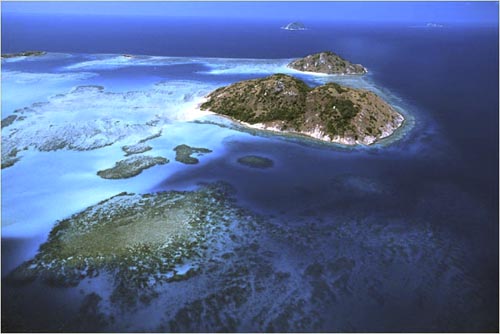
(135, 149)
(328, 63)
(75, 121)
(218, 267)
(255, 161)
(8, 120)
(130, 167)
(329, 112)
(139, 238)
(183, 153)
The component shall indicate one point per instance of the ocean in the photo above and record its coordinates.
(398, 236)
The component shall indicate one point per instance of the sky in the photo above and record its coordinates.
(437, 12)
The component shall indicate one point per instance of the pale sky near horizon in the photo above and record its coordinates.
(439, 12)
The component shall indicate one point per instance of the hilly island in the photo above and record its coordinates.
(329, 112)
(326, 62)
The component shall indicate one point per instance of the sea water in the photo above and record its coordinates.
(436, 179)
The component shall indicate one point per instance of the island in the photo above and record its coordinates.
(434, 25)
(136, 148)
(285, 104)
(326, 62)
(24, 54)
(131, 167)
(183, 154)
(294, 26)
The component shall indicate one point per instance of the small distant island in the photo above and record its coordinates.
(434, 25)
(24, 54)
(294, 26)
(326, 62)
(329, 112)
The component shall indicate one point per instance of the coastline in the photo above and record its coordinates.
(316, 134)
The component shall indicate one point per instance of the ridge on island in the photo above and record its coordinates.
(326, 62)
(328, 112)
(294, 26)
(24, 54)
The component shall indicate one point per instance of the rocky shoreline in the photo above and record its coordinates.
(319, 135)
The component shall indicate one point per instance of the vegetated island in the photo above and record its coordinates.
(183, 154)
(329, 112)
(327, 62)
(24, 54)
(294, 26)
(131, 167)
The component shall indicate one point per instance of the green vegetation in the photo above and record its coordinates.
(288, 104)
(277, 98)
(286, 99)
(338, 115)
(130, 167)
(336, 86)
(183, 153)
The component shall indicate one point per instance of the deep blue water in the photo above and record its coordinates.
(444, 173)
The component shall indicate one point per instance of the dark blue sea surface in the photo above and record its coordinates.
(436, 187)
